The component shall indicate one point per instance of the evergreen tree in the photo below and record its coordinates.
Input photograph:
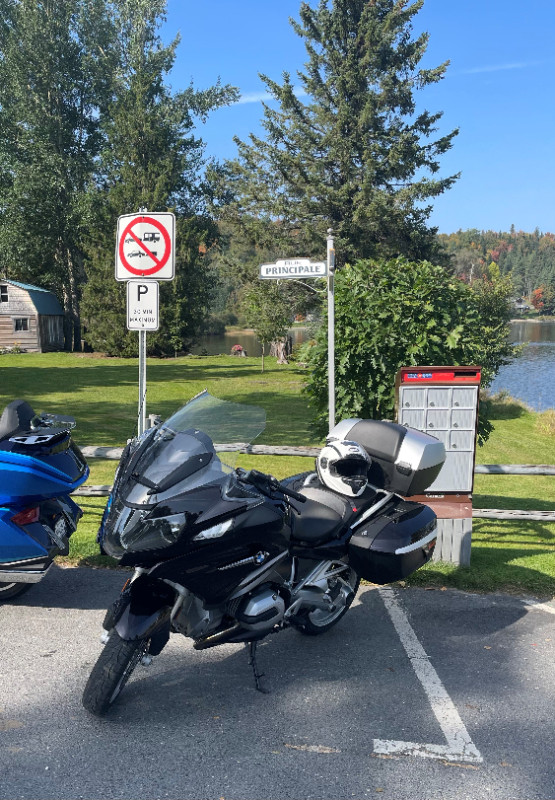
(528, 257)
(349, 150)
(54, 81)
(151, 159)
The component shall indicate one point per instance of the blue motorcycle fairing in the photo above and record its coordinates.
(25, 479)
(33, 540)
(15, 542)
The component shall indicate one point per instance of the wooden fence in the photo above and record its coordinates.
(312, 452)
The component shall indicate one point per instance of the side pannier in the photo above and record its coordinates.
(394, 544)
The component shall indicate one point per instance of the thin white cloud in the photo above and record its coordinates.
(253, 97)
(500, 67)
(264, 97)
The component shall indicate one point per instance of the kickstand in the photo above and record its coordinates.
(257, 675)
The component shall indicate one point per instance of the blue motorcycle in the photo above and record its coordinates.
(39, 468)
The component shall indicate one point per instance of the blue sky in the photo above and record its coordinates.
(499, 90)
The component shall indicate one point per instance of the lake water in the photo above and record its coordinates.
(221, 345)
(530, 378)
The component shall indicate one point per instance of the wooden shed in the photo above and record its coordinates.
(30, 317)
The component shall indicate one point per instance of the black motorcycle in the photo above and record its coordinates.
(223, 555)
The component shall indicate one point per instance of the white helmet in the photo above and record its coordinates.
(343, 467)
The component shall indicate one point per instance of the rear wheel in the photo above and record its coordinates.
(343, 589)
(112, 671)
(9, 590)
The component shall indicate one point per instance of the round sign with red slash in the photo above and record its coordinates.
(145, 247)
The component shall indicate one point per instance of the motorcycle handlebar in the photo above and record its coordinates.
(292, 493)
(267, 483)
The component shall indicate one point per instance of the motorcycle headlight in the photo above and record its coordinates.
(214, 532)
(153, 534)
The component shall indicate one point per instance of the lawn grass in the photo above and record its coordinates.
(513, 556)
(516, 438)
(101, 393)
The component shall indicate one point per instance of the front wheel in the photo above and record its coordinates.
(9, 590)
(112, 671)
(343, 589)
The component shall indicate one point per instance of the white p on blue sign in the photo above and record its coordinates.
(142, 306)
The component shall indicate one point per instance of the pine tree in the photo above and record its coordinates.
(151, 159)
(349, 148)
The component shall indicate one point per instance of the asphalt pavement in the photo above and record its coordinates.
(414, 694)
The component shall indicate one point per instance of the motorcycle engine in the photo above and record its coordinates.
(261, 611)
(194, 620)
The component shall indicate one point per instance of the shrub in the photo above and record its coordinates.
(397, 313)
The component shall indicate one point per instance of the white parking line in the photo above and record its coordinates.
(532, 605)
(459, 745)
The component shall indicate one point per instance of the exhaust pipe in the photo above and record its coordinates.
(217, 638)
(22, 576)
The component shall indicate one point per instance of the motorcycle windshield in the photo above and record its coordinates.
(224, 422)
(198, 445)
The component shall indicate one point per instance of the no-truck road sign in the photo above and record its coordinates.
(145, 247)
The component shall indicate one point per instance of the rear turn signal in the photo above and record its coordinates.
(26, 517)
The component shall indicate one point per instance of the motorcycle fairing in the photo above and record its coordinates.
(175, 468)
(35, 476)
(213, 569)
(33, 540)
(15, 543)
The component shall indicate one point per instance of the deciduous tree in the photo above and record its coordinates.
(268, 312)
(398, 313)
(55, 74)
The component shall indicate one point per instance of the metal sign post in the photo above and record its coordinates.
(142, 316)
(145, 248)
(141, 417)
(295, 268)
(331, 330)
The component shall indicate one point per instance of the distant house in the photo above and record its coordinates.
(521, 305)
(31, 317)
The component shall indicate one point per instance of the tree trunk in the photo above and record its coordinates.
(68, 323)
(282, 349)
(72, 296)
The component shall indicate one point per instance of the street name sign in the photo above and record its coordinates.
(287, 268)
(145, 245)
(142, 306)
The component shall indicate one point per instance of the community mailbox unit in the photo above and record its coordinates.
(443, 401)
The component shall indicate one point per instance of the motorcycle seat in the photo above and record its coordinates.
(321, 518)
(16, 418)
